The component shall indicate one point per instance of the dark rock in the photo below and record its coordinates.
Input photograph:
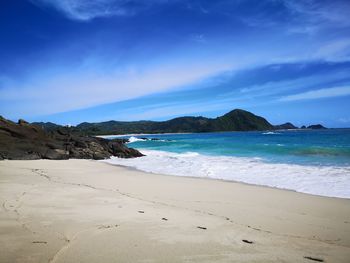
(303, 127)
(56, 154)
(80, 144)
(22, 122)
(100, 155)
(120, 150)
(316, 127)
(24, 141)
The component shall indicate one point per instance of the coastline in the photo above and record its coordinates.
(142, 134)
(329, 181)
(224, 180)
(179, 133)
(89, 211)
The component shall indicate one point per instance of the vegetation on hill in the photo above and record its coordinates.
(236, 120)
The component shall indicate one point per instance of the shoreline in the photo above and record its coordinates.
(222, 180)
(90, 211)
(333, 182)
(176, 133)
(142, 134)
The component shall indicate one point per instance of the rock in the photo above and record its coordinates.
(303, 127)
(80, 144)
(22, 122)
(24, 141)
(121, 150)
(56, 154)
(100, 155)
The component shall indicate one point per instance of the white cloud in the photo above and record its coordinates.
(200, 38)
(344, 120)
(76, 90)
(85, 10)
(278, 88)
(338, 50)
(314, 17)
(318, 94)
(316, 12)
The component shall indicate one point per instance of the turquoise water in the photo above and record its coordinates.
(306, 147)
(308, 161)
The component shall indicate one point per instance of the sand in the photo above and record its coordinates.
(89, 211)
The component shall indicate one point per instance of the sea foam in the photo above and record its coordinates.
(330, 181)
(135, 139)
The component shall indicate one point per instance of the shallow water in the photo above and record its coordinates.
(309, 161)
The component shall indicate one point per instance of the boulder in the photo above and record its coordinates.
(56, 154)
(22, 122)
(24, 141)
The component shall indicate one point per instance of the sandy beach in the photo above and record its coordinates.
(89, 211)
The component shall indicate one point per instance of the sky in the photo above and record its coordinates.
(70, 61)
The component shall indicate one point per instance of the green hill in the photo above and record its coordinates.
(236, 120)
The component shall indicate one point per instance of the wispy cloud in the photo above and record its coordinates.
(199, 38)
(298, 16)
(334, 12)
(277, 88)
(344, 120)
(66, 92)
(319, 94)
(337, 50)
(85, 10)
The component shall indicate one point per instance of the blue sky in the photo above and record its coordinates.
(70, 61)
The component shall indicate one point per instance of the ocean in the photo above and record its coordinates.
(308, 161)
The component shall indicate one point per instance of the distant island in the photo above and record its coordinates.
(235, 120)
(40, 140)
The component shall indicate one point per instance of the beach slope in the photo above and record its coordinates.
(89, 211)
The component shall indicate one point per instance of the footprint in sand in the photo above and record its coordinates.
(39, 242)
(107, 226)
(314, 259)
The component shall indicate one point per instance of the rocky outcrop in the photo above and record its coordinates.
(24, 141)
